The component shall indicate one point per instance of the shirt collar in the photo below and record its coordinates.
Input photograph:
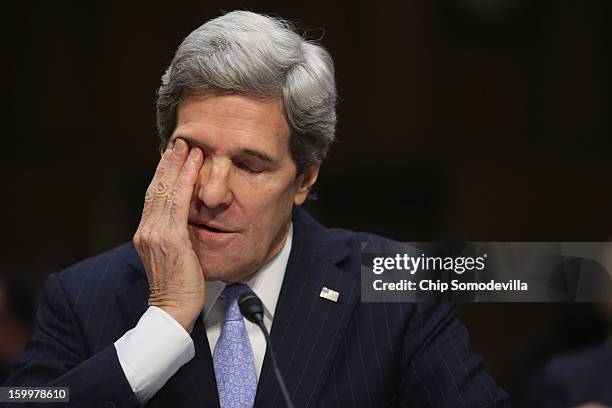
(266, 282)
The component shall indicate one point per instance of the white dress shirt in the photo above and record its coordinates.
(155, 349)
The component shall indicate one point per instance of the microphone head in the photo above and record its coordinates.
(251, 306)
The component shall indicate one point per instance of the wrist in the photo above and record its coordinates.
(185, 318)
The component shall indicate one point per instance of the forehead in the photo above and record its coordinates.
(235, 120)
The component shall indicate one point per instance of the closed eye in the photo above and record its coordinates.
(245, 166)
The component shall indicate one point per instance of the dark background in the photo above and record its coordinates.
(478, 120)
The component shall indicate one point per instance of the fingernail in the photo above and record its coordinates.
(179, 145)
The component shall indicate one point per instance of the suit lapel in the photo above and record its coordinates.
(194, 384)
(307, 329)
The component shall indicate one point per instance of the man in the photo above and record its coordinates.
(246, 115)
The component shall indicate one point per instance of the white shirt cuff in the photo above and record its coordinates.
(153, 351)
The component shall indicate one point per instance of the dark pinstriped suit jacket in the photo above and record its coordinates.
(345, 354)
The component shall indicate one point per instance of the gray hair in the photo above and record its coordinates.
(250, 53)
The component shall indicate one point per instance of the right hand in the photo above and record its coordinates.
(176, 281)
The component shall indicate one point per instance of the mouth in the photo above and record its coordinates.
(212, 229)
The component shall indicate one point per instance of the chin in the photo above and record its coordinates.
(223, 269)
(214, 271)
(226, 276)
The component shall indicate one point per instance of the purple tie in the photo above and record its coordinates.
(233, 356)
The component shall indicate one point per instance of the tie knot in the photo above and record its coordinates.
(230, 295)
(231, 292)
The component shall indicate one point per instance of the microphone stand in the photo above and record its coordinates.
(252, 308)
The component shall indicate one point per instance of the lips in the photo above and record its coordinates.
(211, 227)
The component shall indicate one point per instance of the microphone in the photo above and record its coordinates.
(252, 308)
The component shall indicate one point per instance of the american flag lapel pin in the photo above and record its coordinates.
(329, 294)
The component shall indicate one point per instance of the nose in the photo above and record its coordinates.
(213, 190)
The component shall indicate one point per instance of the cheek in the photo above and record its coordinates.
(264, 202)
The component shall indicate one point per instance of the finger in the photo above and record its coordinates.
(179, 201)
(150, 193)
(164, 186)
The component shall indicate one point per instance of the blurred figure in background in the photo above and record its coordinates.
(577, 378)
(16, 318)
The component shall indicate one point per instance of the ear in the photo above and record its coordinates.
(304, 183)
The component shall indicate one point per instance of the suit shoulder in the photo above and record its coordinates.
(108, 269)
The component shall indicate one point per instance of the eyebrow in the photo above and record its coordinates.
(245, 151)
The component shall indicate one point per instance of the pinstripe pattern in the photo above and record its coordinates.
(344, 354)
(73, 344)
